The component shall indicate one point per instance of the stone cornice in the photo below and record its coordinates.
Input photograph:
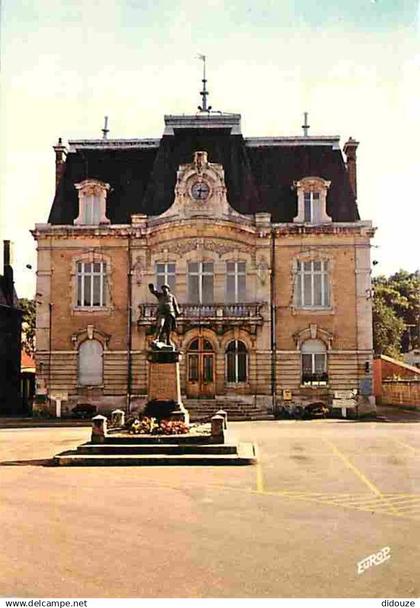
(364, 228)
(213, 120)
(319, 140)
(149, 227)
(68, 230)
(200, 222)
(112, 144)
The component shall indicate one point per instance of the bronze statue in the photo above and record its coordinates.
(167, 312)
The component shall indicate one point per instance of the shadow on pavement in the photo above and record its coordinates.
(40, 462)
(395, 414)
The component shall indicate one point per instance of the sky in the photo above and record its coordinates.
(354, 65)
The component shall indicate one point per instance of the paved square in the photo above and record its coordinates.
(325, 495)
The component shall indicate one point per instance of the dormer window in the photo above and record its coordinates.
(312, 200)
(92, 203)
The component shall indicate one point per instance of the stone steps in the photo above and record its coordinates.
(236, 411)
(120, 439)
(157, 448)
(158, 454)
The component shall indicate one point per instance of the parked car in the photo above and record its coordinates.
(316, 410)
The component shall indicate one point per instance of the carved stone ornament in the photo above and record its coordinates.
(262, 269)
(90, 333)
(313, 331)
(138, 270)
(200, 161)
(202, 244)
(201, 191)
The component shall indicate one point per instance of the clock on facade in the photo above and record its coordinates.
(200, 191)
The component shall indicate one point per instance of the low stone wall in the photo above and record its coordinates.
(401, 392)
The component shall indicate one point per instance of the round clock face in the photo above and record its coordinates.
(200, 191)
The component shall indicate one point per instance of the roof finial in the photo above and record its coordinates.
(204, 92)
(105, 130)
(305, 125)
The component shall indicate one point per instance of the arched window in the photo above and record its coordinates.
(314, 362)
(236, 362)
(90, 363)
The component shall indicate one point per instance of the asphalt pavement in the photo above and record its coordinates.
(324, 496)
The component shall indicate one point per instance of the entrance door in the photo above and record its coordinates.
(200, 369)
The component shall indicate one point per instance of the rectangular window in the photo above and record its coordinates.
(91, 210)
(312, 284)
(200, 282)
(235, 281)
(165, 274)
(91, 284)
(207, 368)
(314, 369)
(193, 368)
(311, 206)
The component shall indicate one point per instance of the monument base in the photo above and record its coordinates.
(164, 390)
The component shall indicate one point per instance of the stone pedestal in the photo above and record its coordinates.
(164, 386)
(99, 429)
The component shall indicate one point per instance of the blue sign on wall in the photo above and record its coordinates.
(366, 386)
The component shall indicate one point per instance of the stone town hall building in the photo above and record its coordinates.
(259, 238)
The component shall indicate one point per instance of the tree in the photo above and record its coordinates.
(396, 313)
(28, 324)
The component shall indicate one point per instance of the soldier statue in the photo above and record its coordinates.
(167, 312)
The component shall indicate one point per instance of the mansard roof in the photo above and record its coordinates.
(259, 172)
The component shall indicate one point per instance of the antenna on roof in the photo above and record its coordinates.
(204, 107)
(105, 130)
(305, 125)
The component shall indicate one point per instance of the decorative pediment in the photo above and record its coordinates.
(200, 190)
(90, 333)
(181, 247)
(313, 332)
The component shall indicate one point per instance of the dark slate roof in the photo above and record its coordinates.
(259, 174)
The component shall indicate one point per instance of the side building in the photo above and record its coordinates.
(261, 241)
(10, 340)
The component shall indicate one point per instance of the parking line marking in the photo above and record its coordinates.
(260, 478)
(406, 445)
(353, 468)
(380, 505)
(359, 474)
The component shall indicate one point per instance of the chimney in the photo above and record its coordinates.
(8, 283)
(60, 161)
(350, 148)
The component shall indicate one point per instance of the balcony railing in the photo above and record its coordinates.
(208, 314)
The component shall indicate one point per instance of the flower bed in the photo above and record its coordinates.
(150, 426)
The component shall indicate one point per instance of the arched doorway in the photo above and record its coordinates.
(200, 369)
